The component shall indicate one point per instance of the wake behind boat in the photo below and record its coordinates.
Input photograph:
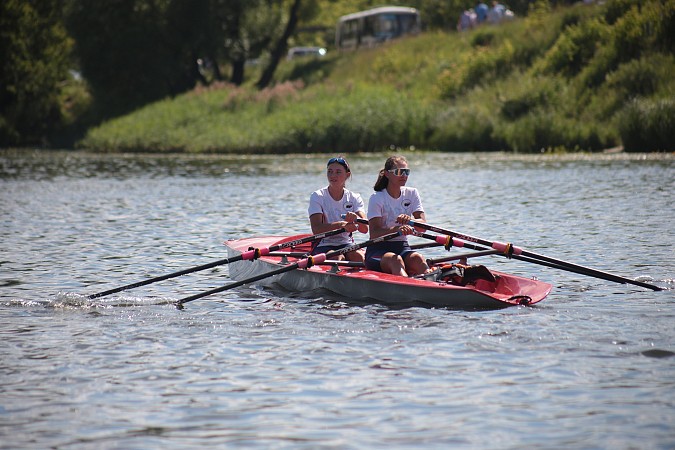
(490, 291)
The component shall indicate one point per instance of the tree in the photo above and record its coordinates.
(251, 27)
(35, 51)
(126, 52)
(133, 52)
(281, 46)
(255, 25)
(194, 32)
(137, 51)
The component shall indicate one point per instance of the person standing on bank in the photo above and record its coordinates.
(390, 209)
(328, 205)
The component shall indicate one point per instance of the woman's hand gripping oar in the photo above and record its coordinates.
(302, 264)
(251, 254)
(448, 241)
(511, 251)
(445, 241)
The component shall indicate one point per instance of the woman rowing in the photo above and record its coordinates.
(390, 209)
(328, 205)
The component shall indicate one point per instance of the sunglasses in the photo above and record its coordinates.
(336, 160)
(341, 161)
(399, 172)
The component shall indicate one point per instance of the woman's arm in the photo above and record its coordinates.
(351, 218)
(319, 226)
(420, 217)
(403, 219)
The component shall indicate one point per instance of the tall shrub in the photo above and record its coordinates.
(648, 125)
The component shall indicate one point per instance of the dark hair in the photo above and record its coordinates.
(390, 163)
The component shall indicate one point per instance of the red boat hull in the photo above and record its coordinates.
(358, 283)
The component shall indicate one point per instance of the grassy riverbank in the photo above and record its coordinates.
(580, 78)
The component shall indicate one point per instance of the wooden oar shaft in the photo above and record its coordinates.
(524, 255)
(249, 255)
(306, 262)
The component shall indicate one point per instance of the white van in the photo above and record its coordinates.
(300, 52)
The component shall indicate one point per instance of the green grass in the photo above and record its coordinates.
(579, 78)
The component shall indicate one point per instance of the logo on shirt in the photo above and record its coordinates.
(406, 204)
(349, 206)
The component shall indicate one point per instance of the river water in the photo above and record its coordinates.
(592, 366)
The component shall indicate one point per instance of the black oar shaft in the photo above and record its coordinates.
(462, 256)
(302, 263)
(217, 263)
(450, 243)
(525, 255)
(423, 246)
(588, 271)
(237, 284)
(551, 262)
(166, 277)
(545, 261)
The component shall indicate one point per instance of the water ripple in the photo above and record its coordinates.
(590, 367)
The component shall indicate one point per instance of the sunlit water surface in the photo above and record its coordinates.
(592, 366)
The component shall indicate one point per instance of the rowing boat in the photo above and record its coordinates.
(447, 285)
(357, 283)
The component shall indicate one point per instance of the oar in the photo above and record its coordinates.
(461, 256)
(510, 250)
(448, 241)
(483, 251)
(445, 241)
(302, 264)
(328, 262)
(423, 246)
(251, 254)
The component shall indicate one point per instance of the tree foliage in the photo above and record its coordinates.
(133, 52)
(281, 45)
(127, 51)
(35, 51)
(136, 51)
